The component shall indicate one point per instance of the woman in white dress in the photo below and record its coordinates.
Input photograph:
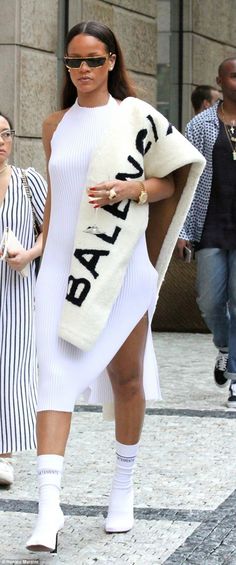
(18, 375)
(93, 324)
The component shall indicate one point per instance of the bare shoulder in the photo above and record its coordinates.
(52, 121)
(49, 126)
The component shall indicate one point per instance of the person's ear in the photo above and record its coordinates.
(206, 104)
(218, 81)
(112, 62)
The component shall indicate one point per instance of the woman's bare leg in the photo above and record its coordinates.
(126, 375)
(52, 431)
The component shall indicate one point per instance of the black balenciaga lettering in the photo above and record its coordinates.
(116, 211)
(136, 164)
(142, 149)
(90, 264)
(154, 129)
(79, 288)
(170, 129)
(110, 238)
(73, 285)
(142, 134)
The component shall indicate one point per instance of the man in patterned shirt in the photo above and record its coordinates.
(211, 224)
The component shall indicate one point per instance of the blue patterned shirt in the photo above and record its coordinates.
(202, 131)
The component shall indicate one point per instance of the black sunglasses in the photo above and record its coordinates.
(76, 62)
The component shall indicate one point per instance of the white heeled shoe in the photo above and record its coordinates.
(120, 517)
(45, 534)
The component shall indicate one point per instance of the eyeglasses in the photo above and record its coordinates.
(92, 62)
(7, 134)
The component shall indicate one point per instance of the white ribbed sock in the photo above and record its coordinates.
(120, 512)
(50, 469)
(125, 460)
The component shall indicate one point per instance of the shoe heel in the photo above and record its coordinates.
(56, 544)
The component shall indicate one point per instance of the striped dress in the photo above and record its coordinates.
(18, 375)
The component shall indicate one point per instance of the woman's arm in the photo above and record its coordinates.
(47, 136)
(156, 188)
(18, 259)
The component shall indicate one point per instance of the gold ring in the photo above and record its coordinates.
(112, 194)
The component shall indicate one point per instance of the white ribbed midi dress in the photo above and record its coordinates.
(65, 372)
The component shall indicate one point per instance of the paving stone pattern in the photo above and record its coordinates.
(185, 479)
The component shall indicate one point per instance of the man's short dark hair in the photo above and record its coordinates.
(200, 93)
(222, 65)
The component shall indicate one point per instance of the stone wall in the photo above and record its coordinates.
(209, 36)
(31, 50)
(28, 72)
(134, 23)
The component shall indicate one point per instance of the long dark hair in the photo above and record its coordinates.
(119, 83)
(7, 119)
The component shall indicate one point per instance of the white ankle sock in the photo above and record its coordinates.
(50, 469)
(125, 460)
(120, 512)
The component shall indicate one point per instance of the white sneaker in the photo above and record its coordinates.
(6, 471)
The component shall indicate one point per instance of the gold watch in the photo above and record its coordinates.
(143, 196)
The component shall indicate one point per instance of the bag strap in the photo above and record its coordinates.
(28, 192)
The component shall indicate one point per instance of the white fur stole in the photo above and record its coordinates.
(139, 144)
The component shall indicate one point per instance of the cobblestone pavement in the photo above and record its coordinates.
(185, 480)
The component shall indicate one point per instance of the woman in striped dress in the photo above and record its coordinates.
(17, 341)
